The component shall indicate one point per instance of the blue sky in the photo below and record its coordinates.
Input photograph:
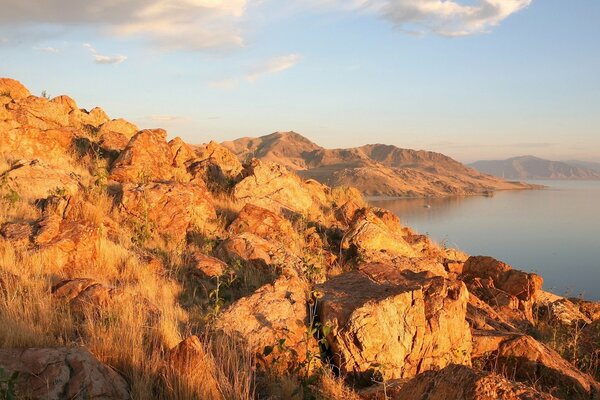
(472, 79)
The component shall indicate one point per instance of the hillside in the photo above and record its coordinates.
(586, 164)
(376, 170)
(136, 267)
(530, 167)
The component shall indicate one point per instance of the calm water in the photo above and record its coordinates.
(554, 232)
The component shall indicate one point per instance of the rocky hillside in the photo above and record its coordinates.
(529, 167)
(376, 169)
(132, 267)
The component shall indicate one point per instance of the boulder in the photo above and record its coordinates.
(42, 114)
(207, 266)
(52, 145)
(246, 247)
(66, 101)
(273, 187)
(371, 240)
(222, 157)
(17, 232)
(83, 119)
(344, 214)
(62, 373)
(33, 180)
(84, 295)
(264, 224)
(456, 382)
(395, 323)
(182, 153)
(168, 208)
(146, 158)
(273, 323)
(13, 89)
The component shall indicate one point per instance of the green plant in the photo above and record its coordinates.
(45, 94)
(215, 296)
(7, 385)
(58, 191)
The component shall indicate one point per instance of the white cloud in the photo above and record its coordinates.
(273, 66)
(167, 24)
(165, 118)
(103, 59)
(443, 17)
(51, 50)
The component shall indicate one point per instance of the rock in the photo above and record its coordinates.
(206, 265)
(264, 224)
(33, 180)
(52, 145)
(39, 113)
(113, 141)
(190, 359)
(345, 213)
(527, 360)
(146, 158)
(82, 119)
(17, 232)
(563, 312)
(182, 153)
(169, 208)
(372, 240)
(62, 373)
(84, 295)
(13, 89)
(590, 309)
(274, 313)
(397, 322)
(246, 247)
(222, 157)
(273, 187)
(121, 126)
(457, 382)
(65, 101)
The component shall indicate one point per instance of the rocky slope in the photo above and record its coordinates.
(376, 170)
(136, 267)
(529, 167)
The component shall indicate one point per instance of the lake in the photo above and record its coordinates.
(554, 232)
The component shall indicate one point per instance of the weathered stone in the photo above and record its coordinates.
(169, 208)
(207, 265)
(264, 224)
(397, 322)
(456, 382)
(13, 89)
(62, 373)
(275, 314)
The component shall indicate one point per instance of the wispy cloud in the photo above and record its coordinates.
(227, 83)
(442, 17)
(166, 24)
(165, 118)
(103, 59)
(51, 50)
(273, 66)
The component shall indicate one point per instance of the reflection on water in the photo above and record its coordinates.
(555, 232)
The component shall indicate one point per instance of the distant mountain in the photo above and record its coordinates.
(376, 169)
(586, 164)
(530, 167)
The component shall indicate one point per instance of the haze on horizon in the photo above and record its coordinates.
(473, 79)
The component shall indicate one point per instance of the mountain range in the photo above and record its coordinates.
(530, 167)
(375, 169)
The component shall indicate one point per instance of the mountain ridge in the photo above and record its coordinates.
(531, 167)
(375, 169)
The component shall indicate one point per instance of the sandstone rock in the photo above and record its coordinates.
(221, 156)
(121, 126)
(345, 213)
(458, 382)
(17, 232)
(563, 312)
(590, 309)
(68, 242)
(146, 158)
(264, 224)
(84, 295)
(372, 240)
(528, 360)
(39, 113)
(246, 247)
(397, 322)
(13, 89)
(33, 180)
(207, 265)
(51, 146)
(273, 187)
(83, 118)
(274, 313)
(62, 373)
(189, 358)
(169, 208)
(182, 152)
(66, 101)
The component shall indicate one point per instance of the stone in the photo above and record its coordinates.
(17, 232)
(39, 113)
(274, 313)
(62, 373)
(168, 208)
(206, 265)
(264, 224)
(13, 89)
(457, 382)
(395, 323)
(84, 295)
(146, 158)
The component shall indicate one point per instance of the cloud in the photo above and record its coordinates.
(273, 66)
(165, 118)
(51, 50)
(102, 59)
(166, 24)
(443, 17)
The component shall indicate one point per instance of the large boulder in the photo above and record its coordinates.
(115, 134)
(457, 382)
(264, 224)
(273, 323)
(273, 187)
(40, 113)
(371, 239)
(395, 323)
(168, 208)
(84, 295)
(146, 158)
(13, 89)
(62, 373)
(220, 156)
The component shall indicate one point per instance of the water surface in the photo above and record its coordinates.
(554, 232)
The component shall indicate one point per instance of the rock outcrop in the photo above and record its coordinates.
(62, 373)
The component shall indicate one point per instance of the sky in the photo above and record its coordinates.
(473, 79)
